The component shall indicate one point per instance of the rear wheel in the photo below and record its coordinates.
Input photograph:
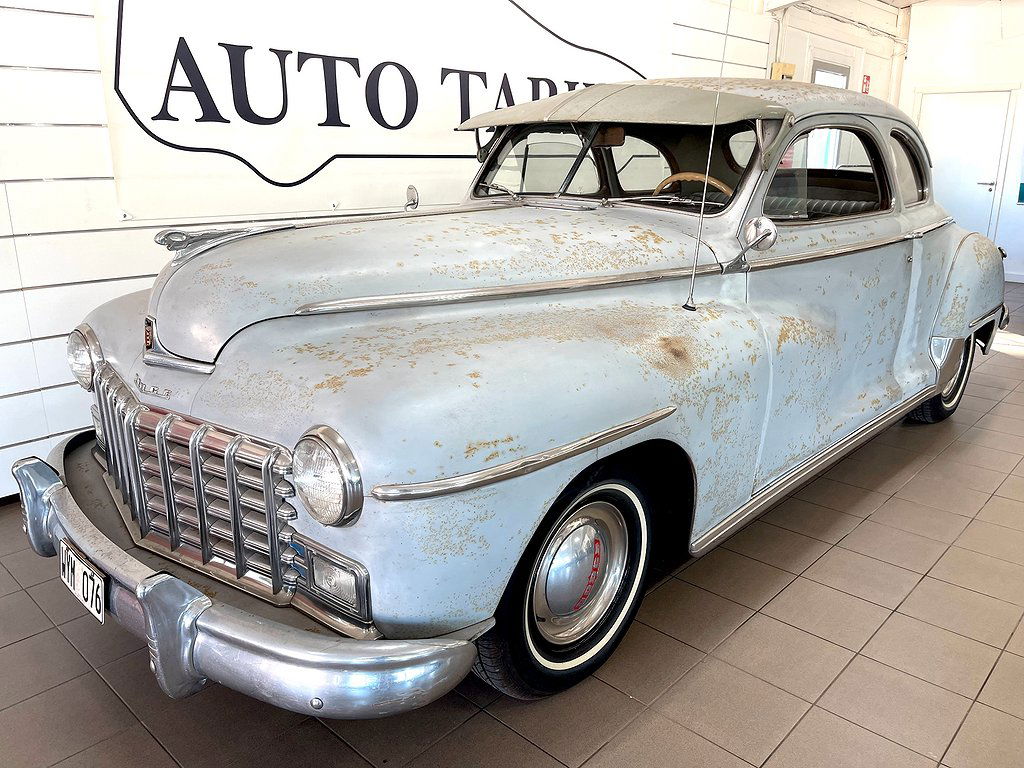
(573, 595)
(942, 405)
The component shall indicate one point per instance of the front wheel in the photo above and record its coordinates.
(573, 595)
(942, 405)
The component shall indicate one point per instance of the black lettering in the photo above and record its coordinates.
(239, 92)
(373, 95)
(196, 86)
(464, 75)
(535, 87)
(504, 91)
(330, 65)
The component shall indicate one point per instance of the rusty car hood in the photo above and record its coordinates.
(201, 303)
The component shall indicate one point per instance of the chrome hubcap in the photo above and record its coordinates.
(579, 572)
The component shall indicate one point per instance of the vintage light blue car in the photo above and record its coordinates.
(336, 466)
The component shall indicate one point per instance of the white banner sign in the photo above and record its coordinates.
(231, 108)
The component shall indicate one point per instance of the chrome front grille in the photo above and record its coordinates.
(205, 496)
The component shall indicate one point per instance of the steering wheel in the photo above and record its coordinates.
(718, 184)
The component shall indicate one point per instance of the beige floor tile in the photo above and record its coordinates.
(1016, 643)
(375, 739)
(733, 709)
(1003, 511)
(988, 575)
(863, 577)
(483, 742)
(1005, 687)
(784, 656)
(823, 740)
(135, 747)
(36, 664)
(20, 617)
(739, 578)
(965, 416)
(963, 611)
(916, 714)
(12, 538)
(1012, 488)
(812, 520)
(921, 519)
(776, 546)
(948, 495)
(691, 614)
(872, 476)
(572, 725)
(926, 439)
(647, 662)
(989, 381)
(988, 739)
(654, 740)
(1009, 409)
(978, 403)
(892, 545)
(994, 540)
(999, 423)
(878, 453)
(29, 568)
(843, 497)
(827, 613)
(947, 470)
(937, 655)
(997, 440)
(60, 722)
(983, 457)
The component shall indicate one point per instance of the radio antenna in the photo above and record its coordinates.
(707, 168)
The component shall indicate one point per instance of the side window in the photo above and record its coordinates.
(825, 173)
(741, 147)
(639, 165)
(909, 174)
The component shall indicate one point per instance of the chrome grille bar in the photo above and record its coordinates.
(234, 503)
(271, 512)
(166, 479)
(196, 465)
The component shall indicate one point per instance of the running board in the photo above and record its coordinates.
(774, 492)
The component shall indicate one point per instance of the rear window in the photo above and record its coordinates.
(826, 173)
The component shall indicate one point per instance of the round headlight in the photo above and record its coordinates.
(80, 359)
(327, 477)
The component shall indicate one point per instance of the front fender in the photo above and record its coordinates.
(974, 287)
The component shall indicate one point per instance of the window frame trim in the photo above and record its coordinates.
(907, 141)
(834, 121)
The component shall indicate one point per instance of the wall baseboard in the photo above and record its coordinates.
(1014, 277)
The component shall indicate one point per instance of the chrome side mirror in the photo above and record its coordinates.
(412, 198)
(759, 234)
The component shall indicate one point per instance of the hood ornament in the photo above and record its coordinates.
(178, 239)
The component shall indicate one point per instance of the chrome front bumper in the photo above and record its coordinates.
(193, 639)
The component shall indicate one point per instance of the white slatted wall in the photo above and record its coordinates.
(697, 36)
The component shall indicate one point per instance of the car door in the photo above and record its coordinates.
(831, 293)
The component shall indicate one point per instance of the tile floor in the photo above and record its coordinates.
(872, 619)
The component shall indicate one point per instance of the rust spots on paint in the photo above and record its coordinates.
(472, 448)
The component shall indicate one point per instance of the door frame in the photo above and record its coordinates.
(1012, 89)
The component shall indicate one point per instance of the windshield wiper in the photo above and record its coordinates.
(500, 188)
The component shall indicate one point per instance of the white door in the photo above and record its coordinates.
(964, 133)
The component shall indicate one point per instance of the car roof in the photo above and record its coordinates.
(689, 101)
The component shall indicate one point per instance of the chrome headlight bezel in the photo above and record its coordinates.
(84, 336)
(349, 486)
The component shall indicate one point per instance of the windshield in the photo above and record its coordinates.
(654, 164)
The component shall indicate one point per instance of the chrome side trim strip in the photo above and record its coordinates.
(490, 293)
(803, 472)
(518, 467)
(842, 250)
(162, 360)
